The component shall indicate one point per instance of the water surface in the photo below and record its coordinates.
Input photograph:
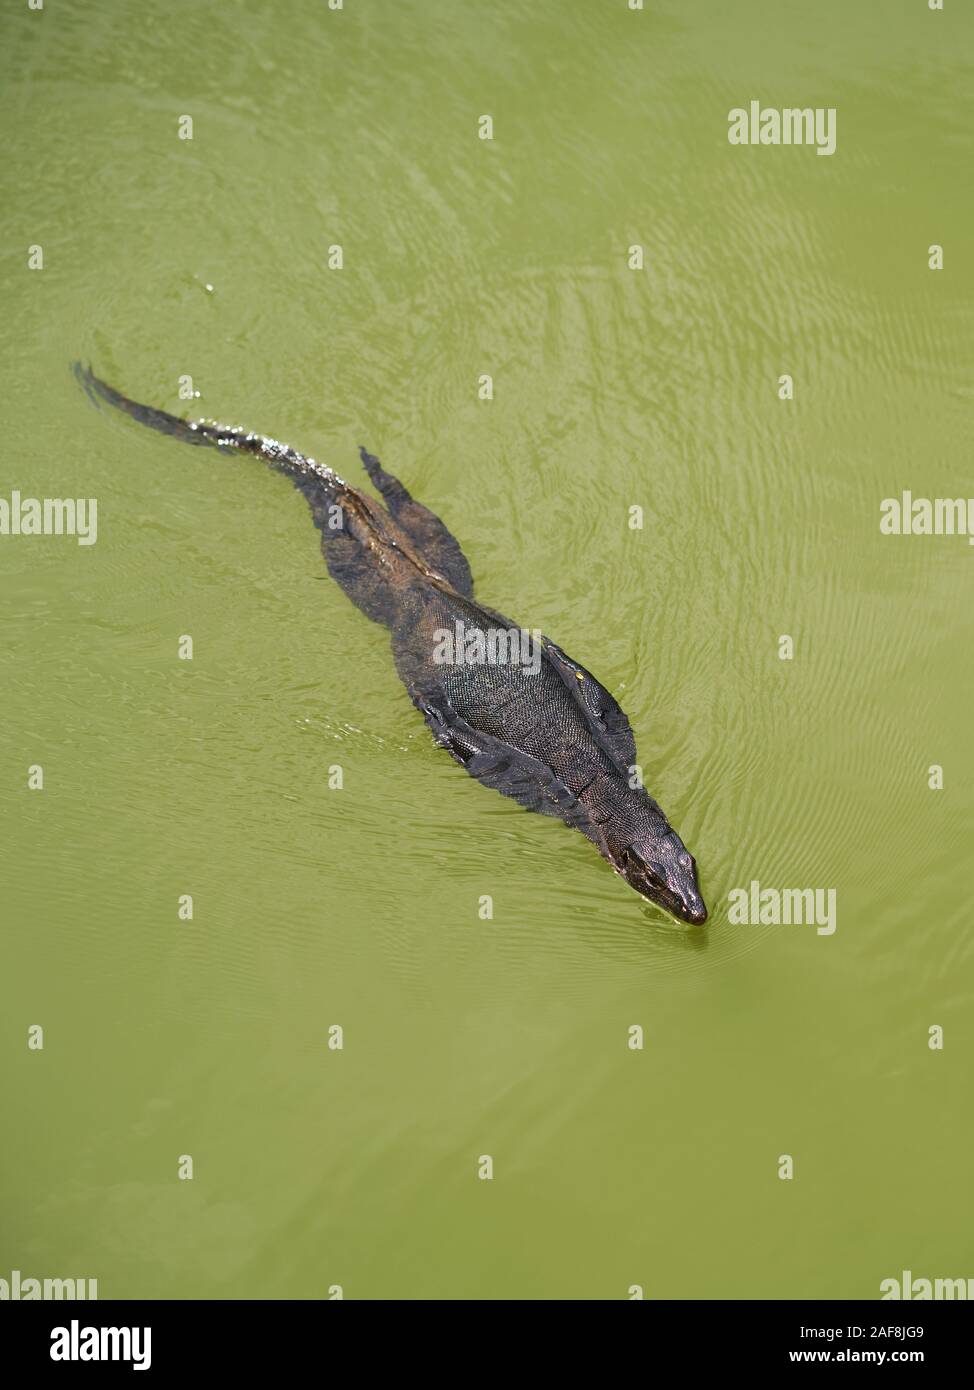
(613, 388)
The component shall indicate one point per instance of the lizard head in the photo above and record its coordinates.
(661, 868)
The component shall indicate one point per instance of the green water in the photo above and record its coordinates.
(358, 907)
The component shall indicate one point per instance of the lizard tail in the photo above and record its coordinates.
(313, 478)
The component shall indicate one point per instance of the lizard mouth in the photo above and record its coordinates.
(685, 904)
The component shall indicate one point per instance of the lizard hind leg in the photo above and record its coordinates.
(437, 546)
